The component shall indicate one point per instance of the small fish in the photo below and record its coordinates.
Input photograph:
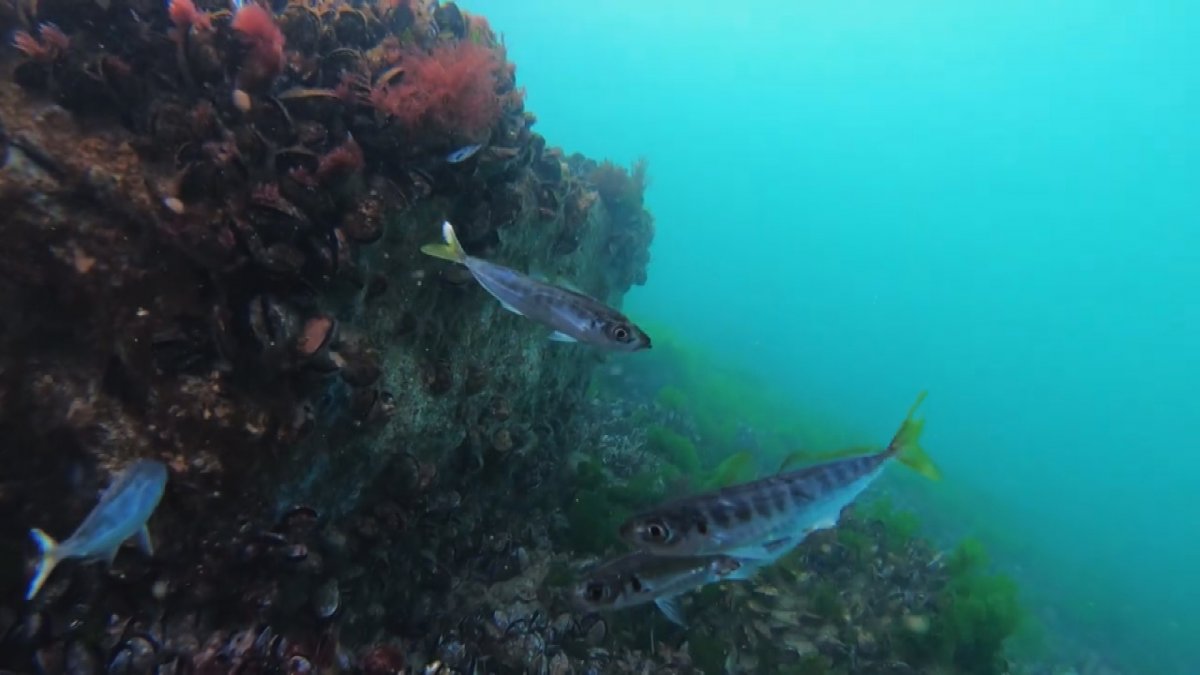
(121, 514)
(764, 519)
(639, 578)
(464, 153)
(574, 316)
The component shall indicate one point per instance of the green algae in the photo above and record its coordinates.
(976, 613)
(673, 447)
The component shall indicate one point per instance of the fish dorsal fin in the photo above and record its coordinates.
(802, 458)
(669, 605)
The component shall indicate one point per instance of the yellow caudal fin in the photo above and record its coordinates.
(451, 250)
(906, 444)
(50, 558)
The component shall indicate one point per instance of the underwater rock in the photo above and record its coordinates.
(213, 259)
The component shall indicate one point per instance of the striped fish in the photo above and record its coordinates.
(573, 316)
(764, 519)
(638, 578)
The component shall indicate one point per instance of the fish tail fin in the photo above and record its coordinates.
(451, 250)
(49, 560)
(906, 444)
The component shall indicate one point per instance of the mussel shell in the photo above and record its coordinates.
(365, 222)
(281, 258)
(450, 18)
(548, 168)
(351, 27)
(311, 103)
(296, 157)
(273, 120)
(273, 324)
(277, 220)
(301, 28)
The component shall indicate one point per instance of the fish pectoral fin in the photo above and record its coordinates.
(51, 555)
(143, 540)
(559, 336)
(669, 605)
(109, 557)
(512, 309)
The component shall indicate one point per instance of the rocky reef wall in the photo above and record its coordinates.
(212, 220)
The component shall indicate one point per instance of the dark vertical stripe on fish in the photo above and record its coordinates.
(762, 504)
(779, 498)
(742, 511)
(720, 514)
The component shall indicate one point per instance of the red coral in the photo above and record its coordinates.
(341, 161)
(50, 44)
(451, 90)
(184, 15)
(262, 35)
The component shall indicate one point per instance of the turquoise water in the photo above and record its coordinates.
(994, 201)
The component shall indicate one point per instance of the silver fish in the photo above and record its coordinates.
(764, 519)
(639, 578)
(573, 316)
(121, 514)
(464, 153)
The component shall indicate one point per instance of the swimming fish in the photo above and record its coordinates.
(574, 316)
(763, 519)
(121, 514)
(638, 578)
(464, 153)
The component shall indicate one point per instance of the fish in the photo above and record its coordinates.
(764, 519)
(122, 513)
(639, 578)
(464, 153)
(573, 316)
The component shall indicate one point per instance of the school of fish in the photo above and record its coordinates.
(680, 546)
(729, 534)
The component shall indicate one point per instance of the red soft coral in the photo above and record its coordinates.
(184, 15)
(261, 34)
(449, 91)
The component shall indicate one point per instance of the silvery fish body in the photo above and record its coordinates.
(763, 519)
(120, 515)
(573, 316)
(738, 520)
(639, 578)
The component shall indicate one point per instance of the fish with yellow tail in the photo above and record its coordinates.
(121, 514)
(762, 520)
(573, 316)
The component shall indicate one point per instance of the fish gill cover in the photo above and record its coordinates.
(213, 218)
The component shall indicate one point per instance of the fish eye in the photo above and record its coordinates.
(620, 332)
(702, 527)
(657, 531)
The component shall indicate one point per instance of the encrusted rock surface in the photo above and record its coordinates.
(219, 267)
